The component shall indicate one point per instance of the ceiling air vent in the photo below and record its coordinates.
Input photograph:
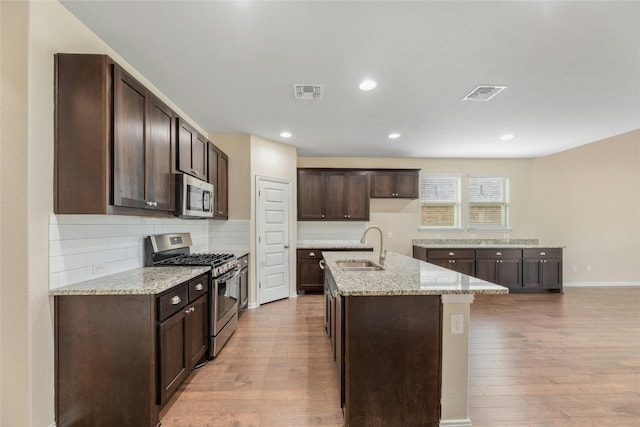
(484, 93)
(307, 91)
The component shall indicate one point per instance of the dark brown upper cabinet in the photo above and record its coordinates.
(218, 175)
(113, 141)
(397, 184)
(192, 151)
(333, 194)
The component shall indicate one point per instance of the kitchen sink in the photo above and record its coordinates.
(358, 265)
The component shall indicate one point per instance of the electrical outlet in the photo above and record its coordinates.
(457, 324)
(99, 268)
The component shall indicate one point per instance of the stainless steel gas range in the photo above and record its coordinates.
(174, 249)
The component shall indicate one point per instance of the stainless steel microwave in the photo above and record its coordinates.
(194, 197)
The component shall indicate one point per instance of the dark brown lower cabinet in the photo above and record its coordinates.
(389, 359)
(118, 358)
(542, 269)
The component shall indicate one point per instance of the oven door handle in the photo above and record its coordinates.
(231, 274)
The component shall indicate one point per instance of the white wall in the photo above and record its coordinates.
(588, 199)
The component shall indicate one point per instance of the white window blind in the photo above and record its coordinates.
(439, 201)
(488, 202)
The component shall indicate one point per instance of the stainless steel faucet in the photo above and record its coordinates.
(383, 252)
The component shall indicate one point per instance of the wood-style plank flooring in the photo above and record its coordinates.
(549, 360)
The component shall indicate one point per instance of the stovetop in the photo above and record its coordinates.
(174, 249)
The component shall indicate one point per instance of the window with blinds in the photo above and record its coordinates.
(439, 201)
(488, 202)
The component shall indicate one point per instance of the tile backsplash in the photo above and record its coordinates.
(329, 230)
(84, 247)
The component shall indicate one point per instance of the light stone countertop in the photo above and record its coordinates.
(332, 244)
(140, 281)
(403, 275)
(481, 243)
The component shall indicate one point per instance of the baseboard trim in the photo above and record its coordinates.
(600, 284)
(456, 423)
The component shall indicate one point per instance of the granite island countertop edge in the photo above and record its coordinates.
(403, 275)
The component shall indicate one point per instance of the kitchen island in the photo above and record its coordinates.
(400, 339)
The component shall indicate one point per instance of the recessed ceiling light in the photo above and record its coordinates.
(506, 137)
(394, 135)
(285, 134)
(368, 85)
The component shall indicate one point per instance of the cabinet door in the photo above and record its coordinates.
(420, 253)
(487, 269)
(311, 194)
(336, 195)
(464, 266)
(212, 160)
(510, 273)
(382, 184)
(173, 360)
(552, 274)
(310, 276)
(222, 191)
(129, 139)
(357, 194)
(192, 151)
(199, 149)
(407, 184)
(197, 332)
(532, 273)
(159, 168)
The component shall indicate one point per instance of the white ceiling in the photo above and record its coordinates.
(572, 71)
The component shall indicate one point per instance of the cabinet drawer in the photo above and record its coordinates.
(173, 301)
(198, 287)
(498, 253)
(450, 253)
(543, 253)
(309, 254)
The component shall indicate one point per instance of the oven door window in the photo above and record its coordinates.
(227, 296)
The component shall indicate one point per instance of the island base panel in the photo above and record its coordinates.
(392, 360)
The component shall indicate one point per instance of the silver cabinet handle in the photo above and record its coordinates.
(195, 171)
(151, 203)
(189, 310)
(312, 254)
(321, 264)
(499, 253)
(175, 300)
(451, 254)
(542, 253)
(199, 287)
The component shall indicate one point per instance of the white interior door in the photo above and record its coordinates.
(274, 205)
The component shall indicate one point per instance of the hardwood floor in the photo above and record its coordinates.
(553, 360)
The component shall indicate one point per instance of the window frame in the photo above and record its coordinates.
(457, 214)
(505, 203)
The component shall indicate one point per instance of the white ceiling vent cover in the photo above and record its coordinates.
(307, 91)
(484, 93)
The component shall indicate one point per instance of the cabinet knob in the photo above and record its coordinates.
(199, 287)
(451, 254)
(453, 261)
(220, 212)
(312, 254)
(542, 253)
(322, 215)
(151, 203)
(176, 300)
(498, 253)
(195, 172)
(189, 310)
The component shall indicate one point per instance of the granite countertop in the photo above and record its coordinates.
(332, 244)
(481, 243)
(403, 275)
(140, 281)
